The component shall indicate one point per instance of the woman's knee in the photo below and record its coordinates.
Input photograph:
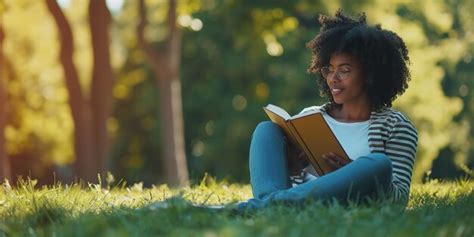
(267, 127)
(383, 167)
(379, 163)
(383, 162)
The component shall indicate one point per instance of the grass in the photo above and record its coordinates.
(435, 209)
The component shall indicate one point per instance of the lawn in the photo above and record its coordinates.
(435, 209)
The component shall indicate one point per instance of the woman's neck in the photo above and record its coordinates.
(351, 113)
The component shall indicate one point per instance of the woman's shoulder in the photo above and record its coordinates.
(393, 117)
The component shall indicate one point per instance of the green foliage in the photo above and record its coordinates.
(235, 77)
(434, 45)
(135, 155)
(434, 209)
(457, 82)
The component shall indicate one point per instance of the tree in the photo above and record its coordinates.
(102, 80)
(165, 64)
(81, 114)
(89, 115)
(4, 162)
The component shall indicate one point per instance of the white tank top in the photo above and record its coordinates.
(354, 137)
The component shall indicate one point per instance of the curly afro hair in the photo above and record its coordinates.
(382, 54)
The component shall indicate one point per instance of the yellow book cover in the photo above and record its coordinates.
(311, 133)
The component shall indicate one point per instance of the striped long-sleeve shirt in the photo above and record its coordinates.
(392, 133)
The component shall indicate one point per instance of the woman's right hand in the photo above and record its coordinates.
(335, 161)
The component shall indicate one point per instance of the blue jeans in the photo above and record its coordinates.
(367, 176)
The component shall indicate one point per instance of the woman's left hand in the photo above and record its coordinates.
(334, 160)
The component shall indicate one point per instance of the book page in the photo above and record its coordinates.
(309, 112)
(277, 111)
(280, 117)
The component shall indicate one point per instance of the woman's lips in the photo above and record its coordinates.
(336, 91)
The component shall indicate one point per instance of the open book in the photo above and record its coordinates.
(311, 133)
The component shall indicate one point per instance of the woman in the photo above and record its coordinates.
(362, 69)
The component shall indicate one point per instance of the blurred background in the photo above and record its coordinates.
(164, 91)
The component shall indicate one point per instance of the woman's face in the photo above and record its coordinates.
(345, 80)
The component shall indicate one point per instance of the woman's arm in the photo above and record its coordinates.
(401, 149)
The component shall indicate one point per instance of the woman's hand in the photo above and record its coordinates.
(335, 161)
(296, 159)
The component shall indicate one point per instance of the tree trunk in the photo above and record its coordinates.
(81, 114)
(4, 162)
(172, 131)
(165, 66)
(102, 80)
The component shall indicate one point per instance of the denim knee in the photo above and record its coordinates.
(384, 168)
(383, 162)
(267, 127)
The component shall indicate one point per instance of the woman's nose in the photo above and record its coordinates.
(333, 77)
